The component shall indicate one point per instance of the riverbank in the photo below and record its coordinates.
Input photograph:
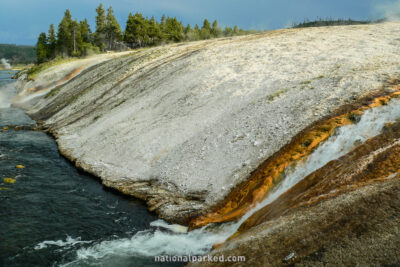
(18, 67)
(50, 210)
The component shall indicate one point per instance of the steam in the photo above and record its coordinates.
(391, 11)
(5, 64)
(6, 94)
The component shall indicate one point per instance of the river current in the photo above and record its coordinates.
(52, 210)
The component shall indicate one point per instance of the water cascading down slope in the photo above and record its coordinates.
(247, 195)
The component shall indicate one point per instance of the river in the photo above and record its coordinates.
(52, 210)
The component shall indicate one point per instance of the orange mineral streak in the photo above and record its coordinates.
(49, 86)
(377, 160)
(247, 194)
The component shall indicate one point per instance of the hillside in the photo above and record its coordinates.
(18, 54)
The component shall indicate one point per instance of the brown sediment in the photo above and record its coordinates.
(20, 128)
(247, 194)
(51, 85)
(358, 228)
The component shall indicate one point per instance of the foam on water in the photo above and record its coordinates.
(163, 238)
(176, 228)
(61, 243)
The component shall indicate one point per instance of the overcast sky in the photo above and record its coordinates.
(21, 21)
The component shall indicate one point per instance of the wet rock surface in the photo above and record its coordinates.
(378, 159)
(245, 196)
(360, 228)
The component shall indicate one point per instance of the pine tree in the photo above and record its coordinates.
(42, 48)
(236, 30)
(163, 20)
(113, 30)
(228, 31)
(188, 29)
(192, 34)
(154, 32)
(52, 42)
(86, 33)
(100, 34)
(131, 36)
(205, 32)
(136, 30)
(173, 30)
(76, 39)
(129, 31)
(216, 30)
(64, 37)
(87, 47)
(207, 25)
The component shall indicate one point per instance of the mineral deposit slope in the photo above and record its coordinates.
(181, 125)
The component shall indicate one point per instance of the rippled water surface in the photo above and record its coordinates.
(53, 210)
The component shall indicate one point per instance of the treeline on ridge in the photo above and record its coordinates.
(75, 39)
(18, 54)
(328, 22)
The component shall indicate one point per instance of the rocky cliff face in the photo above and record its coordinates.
(181, 126)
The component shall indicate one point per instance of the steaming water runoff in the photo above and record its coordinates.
(55, 215)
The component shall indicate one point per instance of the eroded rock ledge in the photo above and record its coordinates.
(182, 125)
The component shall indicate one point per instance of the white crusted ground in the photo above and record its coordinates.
(194, 120)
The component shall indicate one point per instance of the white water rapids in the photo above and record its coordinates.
(163, 238)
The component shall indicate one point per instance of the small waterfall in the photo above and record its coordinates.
(162, 238)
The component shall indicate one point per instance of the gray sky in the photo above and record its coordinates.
(21, 21)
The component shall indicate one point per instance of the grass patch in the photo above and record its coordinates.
(120, 103)
(36, 69)
(305, 82)
(53, 92)
(276, 94)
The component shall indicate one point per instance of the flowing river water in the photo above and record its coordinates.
(55, 215)
(53, 210)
